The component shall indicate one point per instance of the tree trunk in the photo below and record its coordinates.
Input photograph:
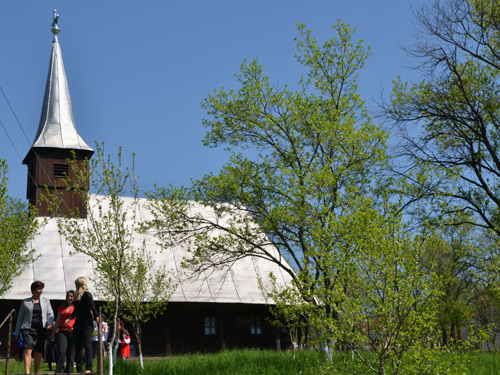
(138, 338)
(444, 335)
(277, 341)
(306, 338)
(168, 346)
(110, 360)
(113, 336)
(299, 337)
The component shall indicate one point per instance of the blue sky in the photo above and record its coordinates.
(138, 70)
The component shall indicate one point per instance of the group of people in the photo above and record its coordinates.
(73, 331)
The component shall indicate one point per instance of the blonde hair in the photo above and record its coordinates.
(81, 287)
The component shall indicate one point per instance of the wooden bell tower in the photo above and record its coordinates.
(56, 142)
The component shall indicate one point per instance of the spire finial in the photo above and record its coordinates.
(55, 29)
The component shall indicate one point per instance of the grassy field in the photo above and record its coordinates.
(254, 362)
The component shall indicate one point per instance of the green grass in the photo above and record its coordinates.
(485, 364)
(252, 362)
(238, 362)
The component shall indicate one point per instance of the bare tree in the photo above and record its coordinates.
(450, 120)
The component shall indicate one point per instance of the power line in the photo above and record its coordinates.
(17, 120)
(44, 171)
(10, 139)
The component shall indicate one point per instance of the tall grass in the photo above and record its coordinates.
(239, 362)
(485, 364)
(255, 362)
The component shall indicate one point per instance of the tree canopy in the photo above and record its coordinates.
(298, 161)
(306, 177)
(17, 228)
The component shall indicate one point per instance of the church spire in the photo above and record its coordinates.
(56, 141)
(57, 126)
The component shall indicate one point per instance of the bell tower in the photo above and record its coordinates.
(56, 141)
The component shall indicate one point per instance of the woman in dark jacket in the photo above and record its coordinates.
(85, 312)
(34, 318)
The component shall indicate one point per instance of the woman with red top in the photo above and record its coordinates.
(125, 345)
(64, 337)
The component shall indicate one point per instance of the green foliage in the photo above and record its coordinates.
(313, 152)
(455, 254)
(448, 121)
(306, 178)
(385, 307)
(238, 362)
(17, 227)
(125, 273)
(145, 291)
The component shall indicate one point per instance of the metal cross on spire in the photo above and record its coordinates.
(55, 28)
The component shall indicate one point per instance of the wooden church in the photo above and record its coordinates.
(207, 312)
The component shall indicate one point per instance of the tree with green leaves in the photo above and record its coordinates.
(310, 153)
(449, 125)
(17, 227)
(449, 120)
(456, 254)
(387, 301)
(303, 188)
(486, 305)
(123, 268)
(145, 293)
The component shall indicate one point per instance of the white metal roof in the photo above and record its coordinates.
(57, 267)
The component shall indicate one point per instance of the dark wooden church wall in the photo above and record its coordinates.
(181, 329)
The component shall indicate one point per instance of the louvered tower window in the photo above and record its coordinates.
(61, 170)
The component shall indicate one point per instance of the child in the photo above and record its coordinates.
(125, 345)
(95, 337)
(19, 348)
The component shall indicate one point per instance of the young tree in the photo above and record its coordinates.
(145, 292)
(386, 300)
(17, 227)
(456, 255)
(486, 305)
(449, 120)
(109, 238)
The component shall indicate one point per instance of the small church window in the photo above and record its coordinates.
(210, 325)
(61, 170)
(256, 325)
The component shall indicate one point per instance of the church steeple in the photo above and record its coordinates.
(57, 138)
